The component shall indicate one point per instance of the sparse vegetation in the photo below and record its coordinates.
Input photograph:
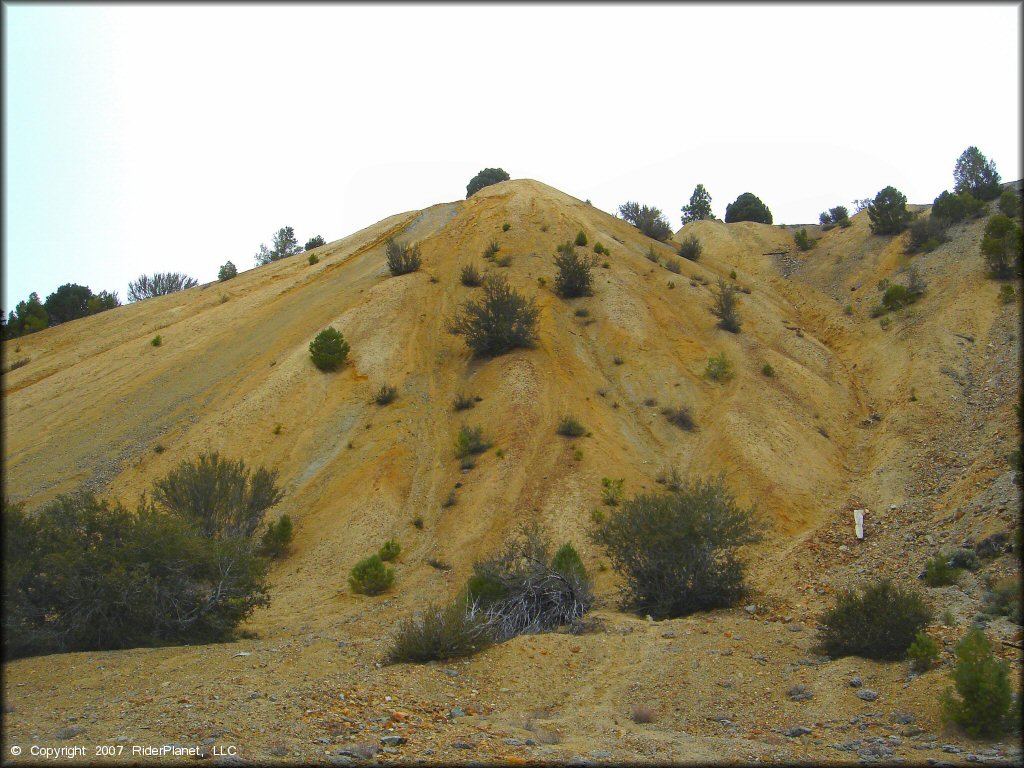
(581, 239)
(1003, 598)
(506, 227)
(983, 704)
(314, 242)
(699, 207)
(385, 395)
(926, 234)
(470, 276)
(879, 622)
(156, 341)
(838, 216)
(570, 427)
(504, 261)
(725, 307)
(718, 368)
(470, 442)
(285, 245)
(1001, 247)
(492, 249)
(499, 322)
(574, 276)
(923, 652)
(438, 633)
(329, 349)
(402, 259)
(313, 259)
(277, 538)
(1009, 204)
(160, 284)
(803, 241)
(680, 417)
(599, 249)
(652, 255)
(227, 271)
(611, 491)
(370, 576)
(642, 713)
(938, 572)
(650, 221)
(673, 266)
(679, 552)
(390, 550)
(1006, 294)
(463, 402)
(767, 370)
(690, 248)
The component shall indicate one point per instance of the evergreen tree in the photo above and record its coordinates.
(976, 174)
(285, 245)
(699, 207)
(888, 212)
(485, 178)
(748, 207)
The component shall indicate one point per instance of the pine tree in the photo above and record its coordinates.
(976, 174)
(699, 207)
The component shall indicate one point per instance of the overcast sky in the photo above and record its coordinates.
(144, 138)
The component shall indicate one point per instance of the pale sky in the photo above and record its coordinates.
(146, 138)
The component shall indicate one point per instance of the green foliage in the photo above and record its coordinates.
(650, 221)
(699, 207)
(953, 208)
(725, 307)
(976, 174)
(504, 261)
(314, 242)
(219, 497)
(923, 652)
(370, 576)
(277, 537)
(581, 239)
(611, 491)
(470, 441)
(385, 395)
(285, 245)
(983, 702)
(1001, 246)
(227, 271)
(313, 259)
(747, 207)
(767, 370)
(834, 216)
(83, 575)
(499, 322)
(673, 266)
(680, 417)
(470, 276)
(160, 284)
(485, 178)
(803, 241)
(574, 276)
(718, 368)
(506, 227)
(652, 255)
(28, 317)
(600, 249)
(156, 341)
(690, 248)
(679, 552)
(880, 622)
(439, 633)
(1006, 294)
(71, 301)
(939, 573)
(492, 249)
(570, 427)
(567, 561)
(402, 259)
(329, 349)
(1009, 203)
(888, 212)
(1004, 598)
(895, 297)
(926, 234)
(463, 402)
(389, 550)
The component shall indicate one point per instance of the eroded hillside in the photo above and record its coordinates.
(913, 422)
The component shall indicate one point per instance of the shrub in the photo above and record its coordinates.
(314, 242)
(389, 550)
(767, 370)
(521, 591)
(699, 207)
(569, 427)
(28, 317)
(402, 259)
(718, 368)
(463, 402)
(439, 633)
(976, 174)
(724, 307)
(803, 241)
(313, 259)
(470, 276)
(504, 261)
(1009, 203)
(328, 350)
(160, 284)
(926, 235)
(650, 221)
(690, 248)
(642, 713)
(1006, 294)
(220, 497)
(492, 249)
(923, 652)
(499, 322)
(747, 207)
(938, 572)
(277, 537)
(671, 479)
(674, 266)
(1001, 246)
(83, 575)
(652, 255)
(896, 296)
(574, 272)
(370, 576)
(285, 245)
(680, 417)
(888, 212)
(1004, 598)
(880, 622)
(600, 249)
(568, 563)
(984, 699)
(385, 395)
(506, 227)
(72, 301)
(611, 491)
(581, 239)
(156, 341)
(952, 208)
(678, 552)
(470, 441)
(485, 178)
(582, 312)
(838, 215)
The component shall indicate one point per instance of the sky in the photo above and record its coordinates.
(151, 138)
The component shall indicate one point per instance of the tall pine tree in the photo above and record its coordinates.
(699, 207)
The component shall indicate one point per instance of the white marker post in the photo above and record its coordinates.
(858, 522)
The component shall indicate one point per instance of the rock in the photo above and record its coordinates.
(867, 694)
(451, 672)
(392, 741)
(241, 653)
(794, 628)
(992, 546)
(363, 751)
(531, 742)
(68, 733)
(668, 634)
(279, 750)
(462, 745)
(797, 730)
(457, 712)
(952, 749)
(903, 718)
(800, 693)
(911, 731)
(600, 753)
(513, 742)
(751, 609)
(856, 682)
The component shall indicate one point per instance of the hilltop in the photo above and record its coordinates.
(912, 420)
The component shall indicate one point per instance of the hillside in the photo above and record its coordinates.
(913, 422)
